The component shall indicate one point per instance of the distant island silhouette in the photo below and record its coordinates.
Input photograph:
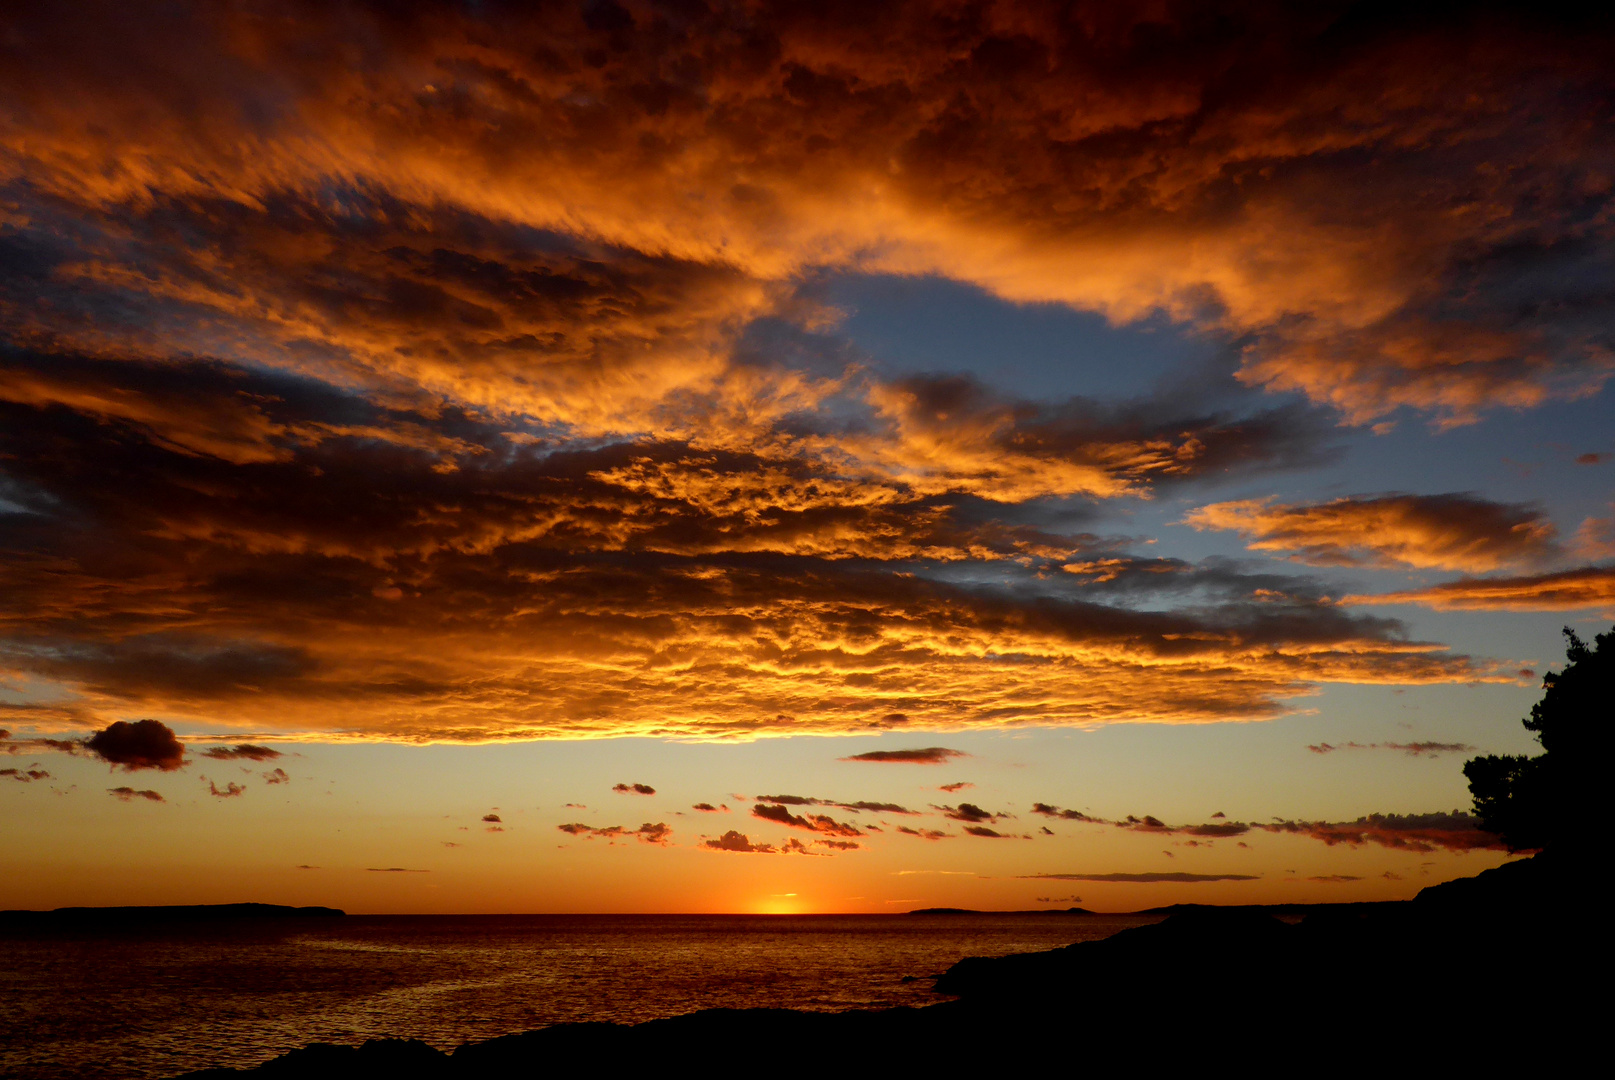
(973, 911)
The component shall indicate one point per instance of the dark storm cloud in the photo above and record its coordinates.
(931, 755)
(126, 794)
(144, 744)
(248, 751)
(1313, 181)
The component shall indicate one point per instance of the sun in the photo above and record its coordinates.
(779, 904)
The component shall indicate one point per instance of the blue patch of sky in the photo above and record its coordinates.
(1041, 352)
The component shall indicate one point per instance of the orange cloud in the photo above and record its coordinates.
(1330, 199)
(1568, 590)
(524, 417)
(1450, 532)
(353, 583)
(658, 833)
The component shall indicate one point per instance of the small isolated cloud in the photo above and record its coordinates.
(925, 834)
(492, 819)
(276, 776)
(1433, 532)
(394, 870)
(249, 751)
(657, 833)
(1334, 879)
(25, 776)
(306, 866)
(991, 834)
(962, 785)
(970, 812)
(866, 806)
(1455, 831)
(1412, 749)
(1065, 815)
(819, 823)
(578, 828)
(634, 789)
(930, 755)
(1149, 823)
(1595, 538)
(840, 845)
(1567, 590)
(1592, 459)
(1141, 878)
(229, 791)
(707, 808)
(738, 842)
(144, 744)
(127, 794)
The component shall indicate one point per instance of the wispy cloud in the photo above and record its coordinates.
(1446, 532)
(1142, 878)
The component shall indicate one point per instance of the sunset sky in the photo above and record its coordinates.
(766, 457)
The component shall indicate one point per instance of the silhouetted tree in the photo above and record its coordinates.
(1534, 802)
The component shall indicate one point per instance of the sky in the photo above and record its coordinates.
(760, 457)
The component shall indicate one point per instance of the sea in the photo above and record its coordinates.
(159, 1001)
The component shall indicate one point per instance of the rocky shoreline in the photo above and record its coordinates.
(1472, 973)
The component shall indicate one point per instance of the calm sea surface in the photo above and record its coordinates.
(155, 1003)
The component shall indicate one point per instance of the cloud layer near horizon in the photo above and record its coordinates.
(436, 377)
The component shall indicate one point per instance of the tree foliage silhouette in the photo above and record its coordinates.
(1535, 802)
